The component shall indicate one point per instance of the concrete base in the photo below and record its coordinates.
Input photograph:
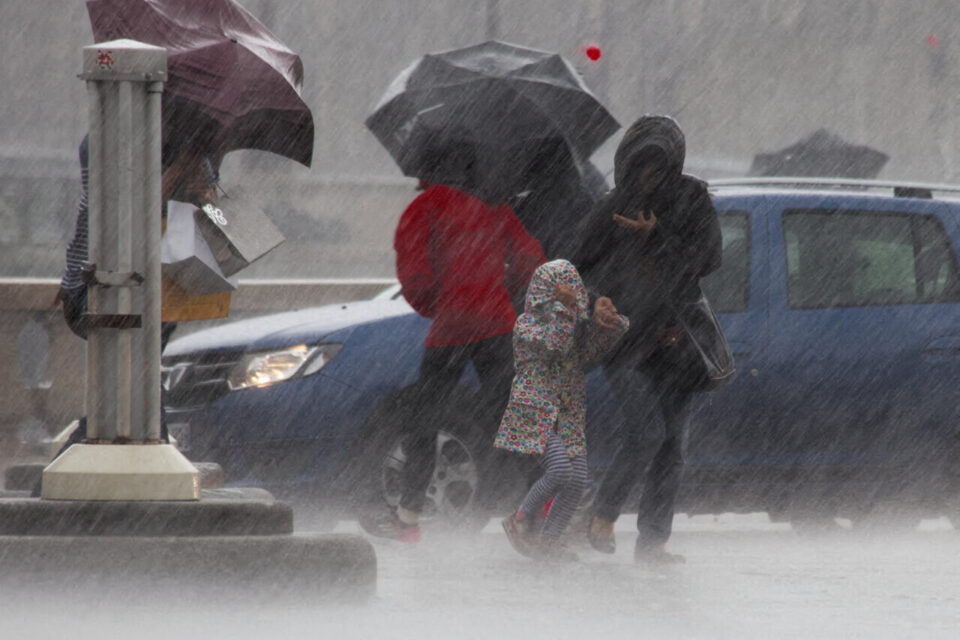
(25, 476)
(220, 512)
(105, 571)
(121, 472)
(231, 544)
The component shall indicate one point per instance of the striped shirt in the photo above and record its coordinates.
(78, 249)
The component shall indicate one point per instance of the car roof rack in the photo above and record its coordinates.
(900, 189)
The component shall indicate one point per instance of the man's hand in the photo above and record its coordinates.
(642, 224)
(566, 296)
(604, 313)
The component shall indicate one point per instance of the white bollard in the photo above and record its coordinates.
(124, 80)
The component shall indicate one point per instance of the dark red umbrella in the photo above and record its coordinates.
(231, 83)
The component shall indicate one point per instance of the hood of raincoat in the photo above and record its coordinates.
(661, 132)
(542, 290)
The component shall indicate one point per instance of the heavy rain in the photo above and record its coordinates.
(533, 318)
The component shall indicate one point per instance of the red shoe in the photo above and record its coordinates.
(386, 524)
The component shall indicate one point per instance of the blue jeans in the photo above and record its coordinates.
(652, 442)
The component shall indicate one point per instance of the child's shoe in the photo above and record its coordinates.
(386, 524)
(519, 533)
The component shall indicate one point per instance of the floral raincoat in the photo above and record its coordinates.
(551, 345)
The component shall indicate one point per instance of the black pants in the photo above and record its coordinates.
(655, 408)
(440, 372)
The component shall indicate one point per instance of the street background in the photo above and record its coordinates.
(741, 76)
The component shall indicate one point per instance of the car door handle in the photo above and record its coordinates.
(946, 346)
(739, 350)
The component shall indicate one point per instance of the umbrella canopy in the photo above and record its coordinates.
(493, 96)
(821, 154)
(231, 82)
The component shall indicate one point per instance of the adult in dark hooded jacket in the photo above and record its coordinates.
(646, 245)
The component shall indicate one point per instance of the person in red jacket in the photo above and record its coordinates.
(460, 262)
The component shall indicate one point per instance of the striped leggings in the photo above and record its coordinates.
(564, 480)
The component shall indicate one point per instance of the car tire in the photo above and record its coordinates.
(454, 495)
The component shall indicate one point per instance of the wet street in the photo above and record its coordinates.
(744, 578)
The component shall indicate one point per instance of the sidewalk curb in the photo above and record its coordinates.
(312, 567)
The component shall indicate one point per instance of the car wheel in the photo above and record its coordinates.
(453, 496)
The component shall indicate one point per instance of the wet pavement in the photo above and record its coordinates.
(745, 577)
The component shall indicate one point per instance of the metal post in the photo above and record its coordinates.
(151, 234)
(492, 15)
(123, 458)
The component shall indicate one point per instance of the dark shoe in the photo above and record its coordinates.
(553, 550)
(600, 535)
(519, 533)
(386, 524)
(656, 554)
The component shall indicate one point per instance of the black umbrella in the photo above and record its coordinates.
(487, 98)
(822, 154)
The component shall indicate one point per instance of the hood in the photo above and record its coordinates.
(661, 132)
(543, 284)
(286, 328)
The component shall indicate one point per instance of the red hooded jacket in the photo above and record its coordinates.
(459, 261)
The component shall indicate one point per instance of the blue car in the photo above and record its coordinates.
(840, 301)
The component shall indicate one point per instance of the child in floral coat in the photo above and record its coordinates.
(552, 340)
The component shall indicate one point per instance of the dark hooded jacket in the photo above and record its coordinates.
(648, 279)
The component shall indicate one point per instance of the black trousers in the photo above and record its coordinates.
(440, 372)
(655, 407)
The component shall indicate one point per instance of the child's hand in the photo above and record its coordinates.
(604, 313)
(566, 296)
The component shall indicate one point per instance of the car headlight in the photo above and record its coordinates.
(268, 367)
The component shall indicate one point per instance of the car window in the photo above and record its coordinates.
(728, 287)
(867, 258)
